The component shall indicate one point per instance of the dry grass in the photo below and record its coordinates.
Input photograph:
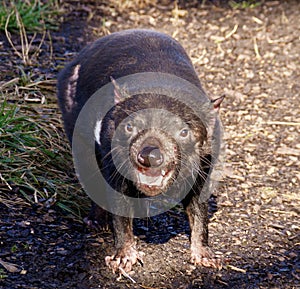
(27, 51)
(36, 15)
(35, 159)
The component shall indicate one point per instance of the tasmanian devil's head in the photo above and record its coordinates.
(151, 140)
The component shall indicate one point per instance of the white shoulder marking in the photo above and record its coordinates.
(71, 88)
(97, 131)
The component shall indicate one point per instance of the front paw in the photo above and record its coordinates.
(98, 219)
(203, 256)
(124, 259)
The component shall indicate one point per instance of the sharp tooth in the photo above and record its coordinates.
(163, 173)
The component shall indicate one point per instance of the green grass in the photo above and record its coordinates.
(244, 4)
(35, 15)
(35, 161)
(3, 274)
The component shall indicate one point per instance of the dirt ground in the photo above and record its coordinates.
(253, 57)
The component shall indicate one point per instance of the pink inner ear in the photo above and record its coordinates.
(217, 102)
(117, 93)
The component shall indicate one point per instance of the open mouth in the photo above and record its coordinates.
(153, 182)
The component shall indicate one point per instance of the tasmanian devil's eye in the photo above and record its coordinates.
(129, 127)
(184, 133)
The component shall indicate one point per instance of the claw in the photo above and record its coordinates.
(205, 257)
(124, 259)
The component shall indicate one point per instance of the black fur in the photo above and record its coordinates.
(121, 54)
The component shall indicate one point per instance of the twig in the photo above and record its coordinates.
(232, 31)
(5, 182)
(9, 37)
(236, 269)
(126, 275)
(283, 123)
(257, 20)
(24, 40)
(10, 82)
(10, 267)
(38, 83)
(258, 56)
(40, 44)
(281, 212)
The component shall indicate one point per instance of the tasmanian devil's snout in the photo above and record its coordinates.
(147, 142)
(155, 161)
(150, 156)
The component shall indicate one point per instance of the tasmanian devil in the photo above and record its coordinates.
(158, 139)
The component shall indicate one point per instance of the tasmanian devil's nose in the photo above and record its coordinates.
(150, 156)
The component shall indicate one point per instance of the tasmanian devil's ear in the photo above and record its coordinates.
(119, 93)
(217, 102)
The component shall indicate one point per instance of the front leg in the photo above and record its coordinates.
(197, 213)
(126, 254)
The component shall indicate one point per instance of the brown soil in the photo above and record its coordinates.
(253, 57)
